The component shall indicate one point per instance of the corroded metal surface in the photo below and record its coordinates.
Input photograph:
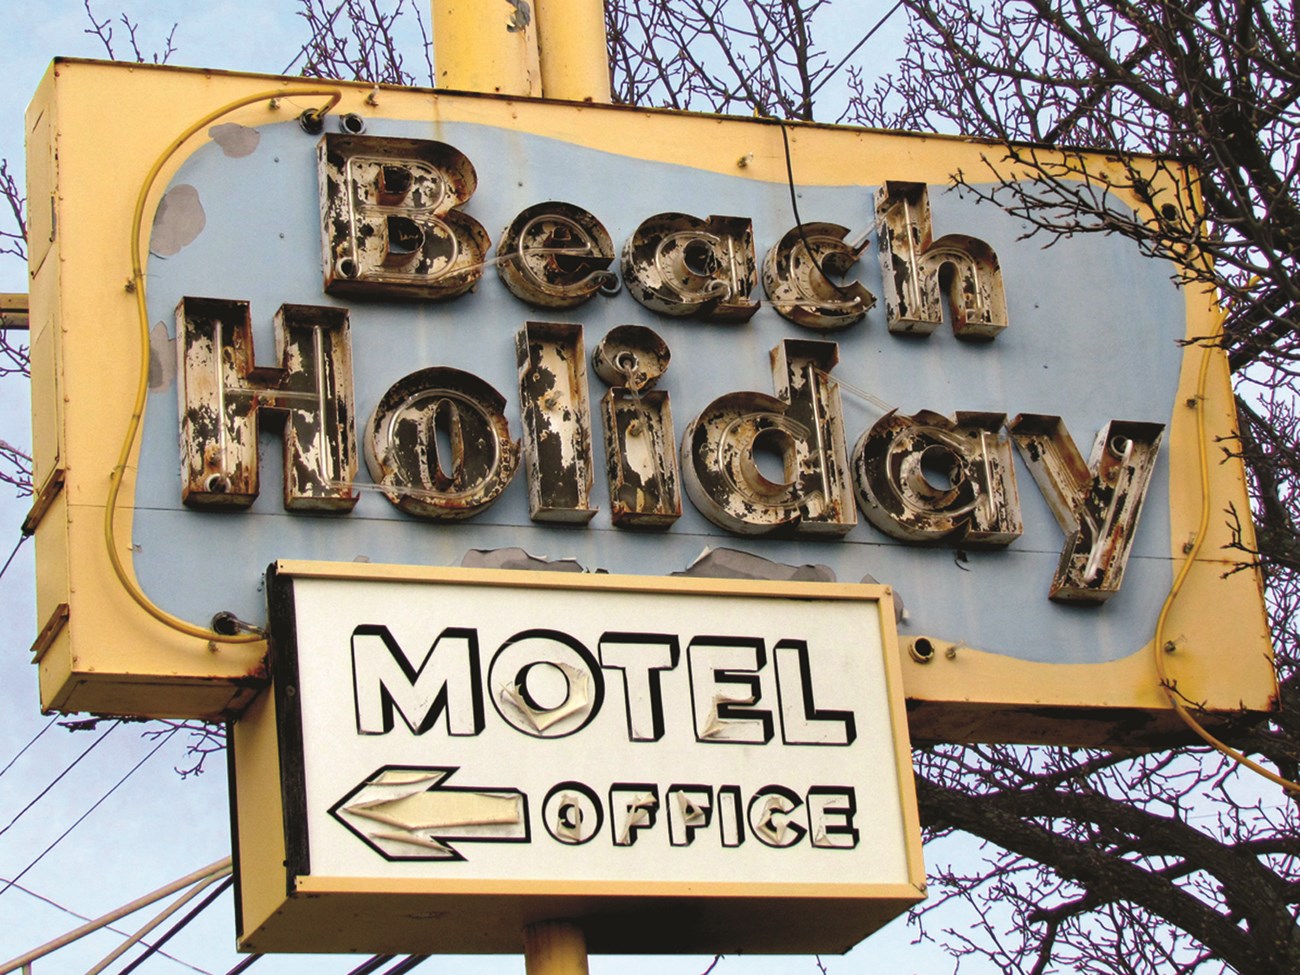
(1096, 504)
(794, 278)
(389, 218)
(917, 269)
(926, 478)
(556, 255)
(681, 265)
(557, 421)
(439, 444)
(640, 443)
(797, 436)
(223, 395)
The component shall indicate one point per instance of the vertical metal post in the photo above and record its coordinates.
(486, 45)
(555, 948)
(572, 49)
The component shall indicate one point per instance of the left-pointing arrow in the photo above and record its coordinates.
(409, 813)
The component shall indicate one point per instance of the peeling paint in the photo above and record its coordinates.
(637, 421)
(801, 430)
(1098, 504)
(730, 563)
(162, 357)
(918, 270)
(235, 140)
(556, 255)
(439, 444)
(223, 395)
(926, 478)
(680, 265)
(389, 219)
(557, 421)
(520, 17)
(794, 281)
(178, 222)
(517, 558)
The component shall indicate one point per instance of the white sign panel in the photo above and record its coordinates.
(547, 727)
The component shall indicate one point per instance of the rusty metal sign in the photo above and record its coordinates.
(324, 296)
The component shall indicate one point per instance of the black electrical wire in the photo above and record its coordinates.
(245, 965)
(798, 221)
(194, 912)
(856, 47)
(41, 795)
(410, 964)
(372, 965)
(48, 725)
(21, 539)
(98, 802)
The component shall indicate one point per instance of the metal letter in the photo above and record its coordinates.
(557, 421)
(223, 394)
(681, 265)
(690, 808)
(439, 444)
(771, 816)
(1097, 505)
(572, 814)
(446, 681)
(640, 444)
(641, 657)
(831, 810)
(556, 255)
(925, 478)
(715, 664)
(796, 285)
(916, 267)
(801, 433)
(632, 807)
(389, 220)
(802, 722)
(546, 684)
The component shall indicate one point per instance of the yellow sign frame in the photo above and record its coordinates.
(100, 651)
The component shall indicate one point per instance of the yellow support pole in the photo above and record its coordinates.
(486, 45)
(555, 948)
(572, 50)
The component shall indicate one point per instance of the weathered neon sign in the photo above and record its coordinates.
(440, 443)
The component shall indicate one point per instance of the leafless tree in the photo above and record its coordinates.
(359, 39)
(103, 30)
(1171, 861)
(15, 462)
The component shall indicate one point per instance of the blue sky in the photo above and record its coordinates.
(156, 827)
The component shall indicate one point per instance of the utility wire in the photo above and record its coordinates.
(244, 965)
(372, 965)
(409, 965)
(21, 539)
(107, 927)
(195, 912)
(83, 816)
(48, 725)
(856, 47)
(41, 795)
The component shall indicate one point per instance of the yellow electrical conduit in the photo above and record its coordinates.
(142, 385)
(1167, 685)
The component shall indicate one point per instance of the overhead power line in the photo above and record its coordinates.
(73, 764)
(48, 725)
(98, 802)
(856, 47)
